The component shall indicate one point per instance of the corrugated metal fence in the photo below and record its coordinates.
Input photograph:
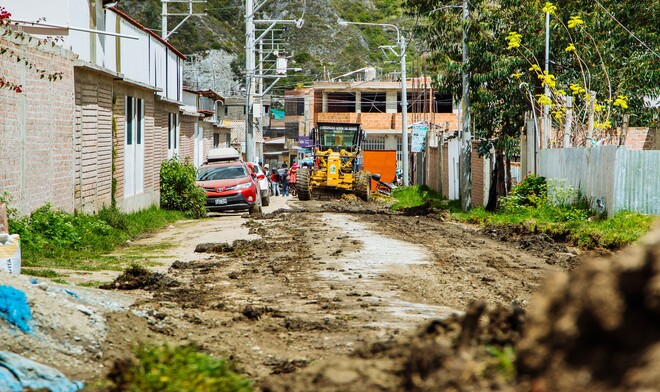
(611, 177)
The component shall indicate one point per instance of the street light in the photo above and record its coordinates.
(401, 41)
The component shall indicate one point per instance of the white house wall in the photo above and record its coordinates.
(81, 42)
(134, 54)
(173, 69)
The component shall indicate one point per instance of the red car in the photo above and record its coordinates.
(229, 183)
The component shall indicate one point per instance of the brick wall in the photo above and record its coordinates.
(477, 177)
(36, 130)
(93, 140)
(479, 197)
(445, 171)
(640, 139)
(337, 117)
(187, 140)
(433, 177)
(375, 121)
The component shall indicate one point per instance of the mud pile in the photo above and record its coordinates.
(460, 353)
(597, 329)
(593, 329)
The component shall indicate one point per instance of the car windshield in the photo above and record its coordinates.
(210, 173)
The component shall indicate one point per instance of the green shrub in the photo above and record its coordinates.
(54, 238)
(114, 218)
(179, 191)
(532, 191)
(177, 369)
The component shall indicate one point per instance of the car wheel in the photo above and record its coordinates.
(265, 201)
(256, 208)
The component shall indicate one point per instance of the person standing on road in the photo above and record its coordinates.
(284, 179)
(293, 172)
(275, 181)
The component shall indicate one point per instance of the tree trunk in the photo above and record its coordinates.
(497, 183)
(492, 191)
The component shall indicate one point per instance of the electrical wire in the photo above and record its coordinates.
(627, 30)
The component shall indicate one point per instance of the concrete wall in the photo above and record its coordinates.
(37, 164)
(613, 178)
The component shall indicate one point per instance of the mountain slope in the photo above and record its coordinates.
(320, 46)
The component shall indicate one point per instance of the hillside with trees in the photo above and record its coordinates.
(321, 47)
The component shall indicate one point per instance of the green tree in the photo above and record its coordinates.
(613, 56)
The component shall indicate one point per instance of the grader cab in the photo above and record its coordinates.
(337, 165)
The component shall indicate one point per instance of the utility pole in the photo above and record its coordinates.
(546, 108)
(251, 41)
(466, 138)
(164, 33)
(404, 111)
(250, 144)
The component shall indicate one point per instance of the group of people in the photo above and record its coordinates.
(285, 176)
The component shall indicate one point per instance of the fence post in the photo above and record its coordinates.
(590, 126)
(569, 121)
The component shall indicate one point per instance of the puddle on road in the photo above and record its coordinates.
(380, 255)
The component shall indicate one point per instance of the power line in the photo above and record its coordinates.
(625, 28)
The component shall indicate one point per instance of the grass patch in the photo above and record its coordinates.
(55, 239)
(528, 209)
(40, 273)
(576, 227)
(415, 196)
(177, 369)
(94, 284)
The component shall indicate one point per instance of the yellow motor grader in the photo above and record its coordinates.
(337, 162)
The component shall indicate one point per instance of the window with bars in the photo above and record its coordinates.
(374, 143)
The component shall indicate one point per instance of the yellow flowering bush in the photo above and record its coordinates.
(542, 99)
(514, 39)
(621, 101)
(574, 22)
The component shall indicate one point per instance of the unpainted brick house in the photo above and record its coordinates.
(99, 135)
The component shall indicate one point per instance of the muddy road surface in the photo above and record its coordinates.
(307, 282)
(335, 295)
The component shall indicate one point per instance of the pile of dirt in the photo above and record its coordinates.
(452, 354)
(597, 329)
(68, 328)
(137, 277)
(591, 329)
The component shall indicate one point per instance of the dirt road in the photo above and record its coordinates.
(299, 285)
(348, 296)
(305, 282)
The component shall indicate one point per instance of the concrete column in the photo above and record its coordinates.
(324, 104)
(391, 102)
(358, 102)
(390, 142)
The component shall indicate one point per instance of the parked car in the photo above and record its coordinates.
(264, 184)
(229, 183)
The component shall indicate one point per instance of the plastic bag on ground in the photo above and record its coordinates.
(10, 253)
(18, 374)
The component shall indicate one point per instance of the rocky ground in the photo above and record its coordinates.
(344, 295)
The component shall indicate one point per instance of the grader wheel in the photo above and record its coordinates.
(302, 185)
(362, 185)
